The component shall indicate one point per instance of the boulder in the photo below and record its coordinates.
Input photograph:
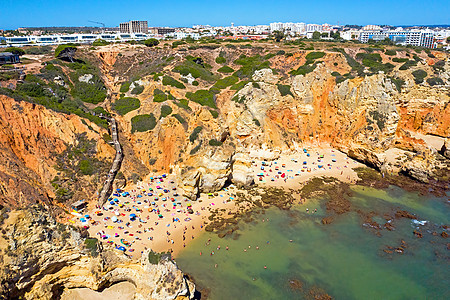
(242, 172)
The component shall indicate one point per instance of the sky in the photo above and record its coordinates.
(174, 13)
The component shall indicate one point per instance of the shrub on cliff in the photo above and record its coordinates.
(86, 167)
(220, 60)
(125, 87)
(419, 76)
(159, 96)
(284, 90)
(225, 69)
(225, 82)
(91, 245)
(165, 111)
(314, 55)
(202, 97)
(124, 105)
(167, 80)
(138, 89)
(435, 81)
(249, 65)
(194, 134)
(151, 42)
(143, 123)
(214, 142)
(196, 67)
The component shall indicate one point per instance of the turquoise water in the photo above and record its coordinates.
(345, 258)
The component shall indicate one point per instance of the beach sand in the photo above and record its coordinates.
(177, 226)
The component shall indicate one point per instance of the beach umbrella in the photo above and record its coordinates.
(114, 219)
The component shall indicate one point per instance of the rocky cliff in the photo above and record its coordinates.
(41, 258)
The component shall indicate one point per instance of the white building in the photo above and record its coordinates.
(134, 27)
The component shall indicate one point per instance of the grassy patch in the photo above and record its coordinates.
(86, 167)
(167, 80)
(238, 86)
(143, 123)
(183, 103)
(226, 82)
(196, 67)
(124, 105)
(249, 65)
(202, 97)
(225, 69)
(314, 55)
(214, 113)
(220, 60)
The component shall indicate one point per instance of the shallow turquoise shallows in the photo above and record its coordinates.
(344, 259)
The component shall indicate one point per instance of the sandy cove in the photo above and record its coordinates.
(152, 198)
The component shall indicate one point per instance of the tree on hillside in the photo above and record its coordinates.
(316, 35)
(65, 52)
(278, 35)
(15, 50)
(151, 42)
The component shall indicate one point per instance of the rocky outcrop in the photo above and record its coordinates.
(31, 138)
(42, 258)
(242, 172)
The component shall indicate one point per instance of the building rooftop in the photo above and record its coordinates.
(6, 54)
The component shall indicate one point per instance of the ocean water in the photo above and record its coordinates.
(344, 259)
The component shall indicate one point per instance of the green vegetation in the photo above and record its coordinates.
(165, 111)
(100, 42)
(374, 62)
(39, 50)
(93, 91)
(125, 87)
(225, 82)
(305, 69)
(284, 90)
(250, 65)
(335, 74)
(154, 258)
(225, 69)
(399, 60)
(419, 76)
(257, 123)
(314, 55)
(256, 85)
(159, 96)
(238, 86)
(179, 118)
(167, 80)
(66, 51)
(178, 43)
(196, 148)
(408, 64)
(151, 42)
(14, 50)
(214, 113)
(435, 81)
(220, 60)
(85, 167)
(196, 67)
(91, 245)
(183, 103)
(138, 89)
(143, 123)
(398, 83)
(194, 134)
(202, 97)
(390, 52)
(124, 105)
(214, 142)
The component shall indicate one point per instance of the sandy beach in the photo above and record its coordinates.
(154, 214)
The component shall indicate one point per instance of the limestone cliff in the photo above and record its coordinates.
(41, 258)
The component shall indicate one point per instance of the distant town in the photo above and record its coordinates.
(428, 37)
